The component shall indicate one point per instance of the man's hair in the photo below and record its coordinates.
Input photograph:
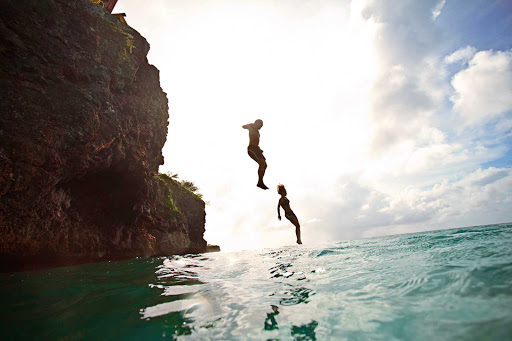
(280, 189)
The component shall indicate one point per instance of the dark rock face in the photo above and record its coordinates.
(82, 124)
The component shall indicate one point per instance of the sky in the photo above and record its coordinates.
(380, 117)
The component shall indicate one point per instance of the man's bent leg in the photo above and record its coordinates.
(253, 155)
(261, 173)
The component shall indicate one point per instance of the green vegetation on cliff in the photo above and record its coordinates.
(188, 185)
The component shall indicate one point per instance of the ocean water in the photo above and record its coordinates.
(440, 285)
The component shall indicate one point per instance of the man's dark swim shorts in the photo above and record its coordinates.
(255, 152)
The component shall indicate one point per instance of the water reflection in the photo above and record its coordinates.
(284, 272)
(188, 288)
(296, 295)
(280, 270)
(179, 287)
(301, 332)
(305, 331)
(270, 321)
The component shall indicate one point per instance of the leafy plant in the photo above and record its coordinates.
(188, 185)
(172, 175)
(174, 210)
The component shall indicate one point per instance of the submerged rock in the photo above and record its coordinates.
(212, 248)
(82, 124)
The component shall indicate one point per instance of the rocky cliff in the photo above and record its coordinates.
(82, 124)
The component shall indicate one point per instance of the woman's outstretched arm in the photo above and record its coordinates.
(279, 209)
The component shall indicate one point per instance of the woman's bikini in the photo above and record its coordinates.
(285, 204)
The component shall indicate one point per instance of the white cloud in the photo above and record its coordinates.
(461, 55)
(483, 196)
(437, 9)
(407, 33)
(504, 126)
(411, 85)
(483, 90)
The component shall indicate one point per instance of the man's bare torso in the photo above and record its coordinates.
(254, 136)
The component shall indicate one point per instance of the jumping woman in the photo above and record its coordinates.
(288, 213)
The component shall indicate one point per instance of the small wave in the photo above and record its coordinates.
(169, 307)
(176, 290)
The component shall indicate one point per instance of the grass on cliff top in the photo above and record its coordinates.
(174, 210)
(188, 185)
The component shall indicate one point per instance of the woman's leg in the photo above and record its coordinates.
(293, 219)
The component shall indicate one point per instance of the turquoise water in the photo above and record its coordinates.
(441, 285)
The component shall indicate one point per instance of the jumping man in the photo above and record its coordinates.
(254, 150)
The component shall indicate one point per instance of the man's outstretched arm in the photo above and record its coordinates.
(247, 126)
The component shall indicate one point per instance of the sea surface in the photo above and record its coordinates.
(441, 285)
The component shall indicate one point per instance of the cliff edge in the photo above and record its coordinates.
(82, 124)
